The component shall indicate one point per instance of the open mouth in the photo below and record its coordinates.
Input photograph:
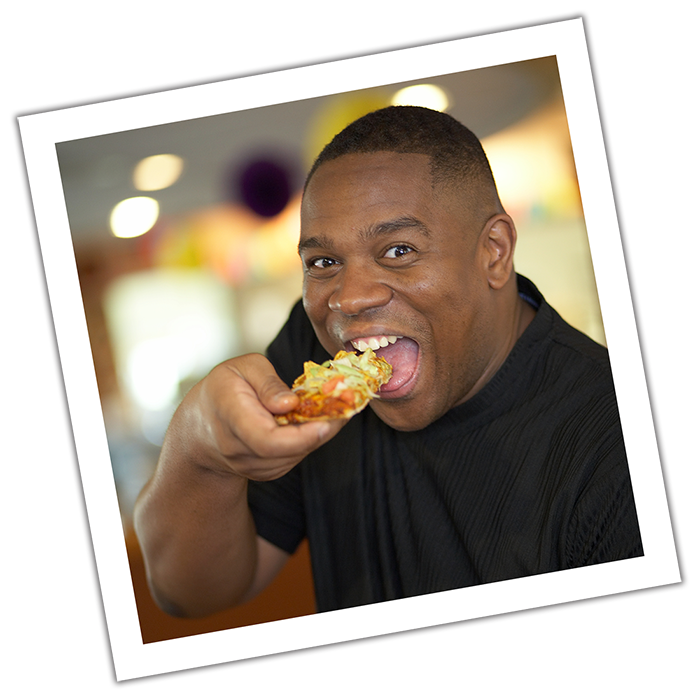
(401, 353)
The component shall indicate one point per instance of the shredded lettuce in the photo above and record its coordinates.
(354, 370)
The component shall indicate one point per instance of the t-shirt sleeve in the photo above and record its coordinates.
(278, 510)
(604, 526)
(278, 506)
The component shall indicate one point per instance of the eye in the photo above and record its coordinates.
(398, 251)
(320, 263)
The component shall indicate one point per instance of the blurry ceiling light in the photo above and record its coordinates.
(133, 217)
(157, 172)
(425, 95)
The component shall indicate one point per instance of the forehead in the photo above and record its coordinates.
(367, 180)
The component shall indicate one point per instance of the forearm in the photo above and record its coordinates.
(195, 530)
(192, 519)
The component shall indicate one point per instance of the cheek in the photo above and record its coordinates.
(445, 301)
(315, 304)
(317, 310)
(442, 279)
(457, 330)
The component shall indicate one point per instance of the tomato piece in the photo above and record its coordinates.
(328, 386)
(348, 397)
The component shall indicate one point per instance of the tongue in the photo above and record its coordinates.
(403, 357)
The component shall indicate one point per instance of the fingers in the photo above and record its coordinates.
(245, 393)
(270, 390)
(256, 427)
(292, 440)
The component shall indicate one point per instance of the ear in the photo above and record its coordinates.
(498, 245)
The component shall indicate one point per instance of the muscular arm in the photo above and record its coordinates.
(198, 539)
(197, 535)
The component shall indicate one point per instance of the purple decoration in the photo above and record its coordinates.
(264, 185)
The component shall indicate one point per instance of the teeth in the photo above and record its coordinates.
(375, 343)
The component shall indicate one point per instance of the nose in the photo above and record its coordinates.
(357, 291)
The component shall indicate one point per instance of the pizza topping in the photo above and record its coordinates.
(339, 388)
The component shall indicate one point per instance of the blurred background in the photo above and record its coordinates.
(185, 244)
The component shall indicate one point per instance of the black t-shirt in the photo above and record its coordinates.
(529, 476)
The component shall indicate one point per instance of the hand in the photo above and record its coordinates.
(233, 409)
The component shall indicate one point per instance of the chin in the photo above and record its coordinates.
(403, 417)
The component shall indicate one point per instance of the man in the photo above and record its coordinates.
(494, 452)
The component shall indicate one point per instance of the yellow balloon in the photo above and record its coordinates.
(336, 113)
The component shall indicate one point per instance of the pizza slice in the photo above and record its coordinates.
(339, 388)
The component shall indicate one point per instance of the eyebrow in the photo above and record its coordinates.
(393, 225)
(314, 242)
(371, 232)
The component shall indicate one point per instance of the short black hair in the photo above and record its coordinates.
(457, 156)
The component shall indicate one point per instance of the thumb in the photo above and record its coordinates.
(272, 392)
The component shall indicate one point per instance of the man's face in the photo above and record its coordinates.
(389, 261)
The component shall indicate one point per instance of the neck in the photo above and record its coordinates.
(524, 315)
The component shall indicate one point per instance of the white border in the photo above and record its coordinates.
(41, 132)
